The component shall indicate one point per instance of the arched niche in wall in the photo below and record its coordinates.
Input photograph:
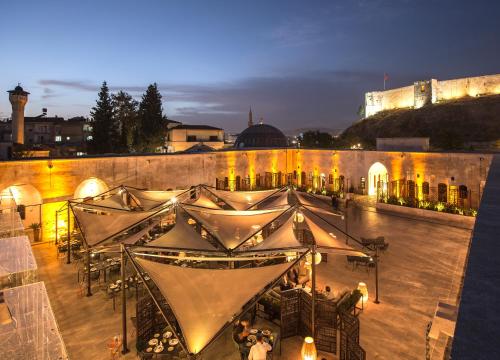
(89, 188)
(377, 175)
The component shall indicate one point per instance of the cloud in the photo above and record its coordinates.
(321, 98)
(297, 32)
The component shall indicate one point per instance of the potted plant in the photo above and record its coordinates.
(36, 231)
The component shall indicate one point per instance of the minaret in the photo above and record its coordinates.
(18, 98)
(250, 119)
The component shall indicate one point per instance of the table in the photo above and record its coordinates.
(167, 342)
(272, 338)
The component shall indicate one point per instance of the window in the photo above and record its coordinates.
(425, 188)
(462, 192)
(58, 138)
(330, 179)
(191, 138)
(442, 192)
(214, 138)
(411, 189)
(422, 88)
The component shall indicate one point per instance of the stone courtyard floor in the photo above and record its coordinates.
(424, 264)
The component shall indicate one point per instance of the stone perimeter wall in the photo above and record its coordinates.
(404, 97)
(57, 179)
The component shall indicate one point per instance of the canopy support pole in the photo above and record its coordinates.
(56, 226)
(124, 302)
(69, 237)
(181, 342)
(346, 222)
(313, 307)
(89, 289)
(376, 276)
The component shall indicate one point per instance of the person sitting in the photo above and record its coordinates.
(293, 277)
(240, 334)
(259, 350)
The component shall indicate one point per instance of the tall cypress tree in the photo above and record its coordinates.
(150, 132)
(104, 129)
(125, 114)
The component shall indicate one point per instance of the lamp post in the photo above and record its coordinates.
(313, 307)
(69, 235)
(376, 276)
(89, 288)
(124, 302)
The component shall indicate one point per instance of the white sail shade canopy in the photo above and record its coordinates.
(327, 236)
(231, 227)
(150, 199)
(276, 200)
(243, 200)
(205, 300)
(182, 236)
(313, 200)
(113, 201)
(204, 201)
(282, 238)
(97, 227)
(133, 238)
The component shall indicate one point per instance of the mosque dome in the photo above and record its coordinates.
(261, 136)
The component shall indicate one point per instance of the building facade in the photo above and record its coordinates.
(185, 137)
(431, 91)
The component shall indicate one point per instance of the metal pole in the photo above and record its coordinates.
(313, 307)
(41, 222)
(376, 276)
(56, 225)
(89, 288)
(346, 221)
(69, 237)
(124, 303)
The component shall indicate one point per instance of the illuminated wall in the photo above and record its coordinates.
(57, 180)
(430, 91)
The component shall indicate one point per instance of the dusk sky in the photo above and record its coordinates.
(297, 63)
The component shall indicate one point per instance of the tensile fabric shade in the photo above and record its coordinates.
(205, 300)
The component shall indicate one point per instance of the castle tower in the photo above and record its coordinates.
(18, 98)
(250, 118)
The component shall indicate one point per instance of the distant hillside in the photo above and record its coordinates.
(450, 125)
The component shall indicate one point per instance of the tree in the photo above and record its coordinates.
(125, 115)
(316, 139)
(150, 132)
(104, 128)
(361, 111)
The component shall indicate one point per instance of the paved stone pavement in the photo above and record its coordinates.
(423, 264)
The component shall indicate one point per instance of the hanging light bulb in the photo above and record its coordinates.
(317, 258)
(309, 349)
(299, 217)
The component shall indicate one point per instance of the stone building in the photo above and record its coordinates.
(431, 91)
(185, 137)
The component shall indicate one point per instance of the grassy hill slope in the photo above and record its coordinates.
(450, 125)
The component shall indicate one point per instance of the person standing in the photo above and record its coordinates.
(259, 350)
(240, 334)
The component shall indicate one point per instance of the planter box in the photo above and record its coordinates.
(466, 222)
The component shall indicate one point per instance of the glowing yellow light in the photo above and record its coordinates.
(299, 217)
(308, 351)
(90, 188)
(363, 289)
(317, 258)
(173, 200)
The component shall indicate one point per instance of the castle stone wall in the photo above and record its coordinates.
(415, 96)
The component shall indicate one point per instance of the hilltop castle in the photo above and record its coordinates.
(429, 92)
